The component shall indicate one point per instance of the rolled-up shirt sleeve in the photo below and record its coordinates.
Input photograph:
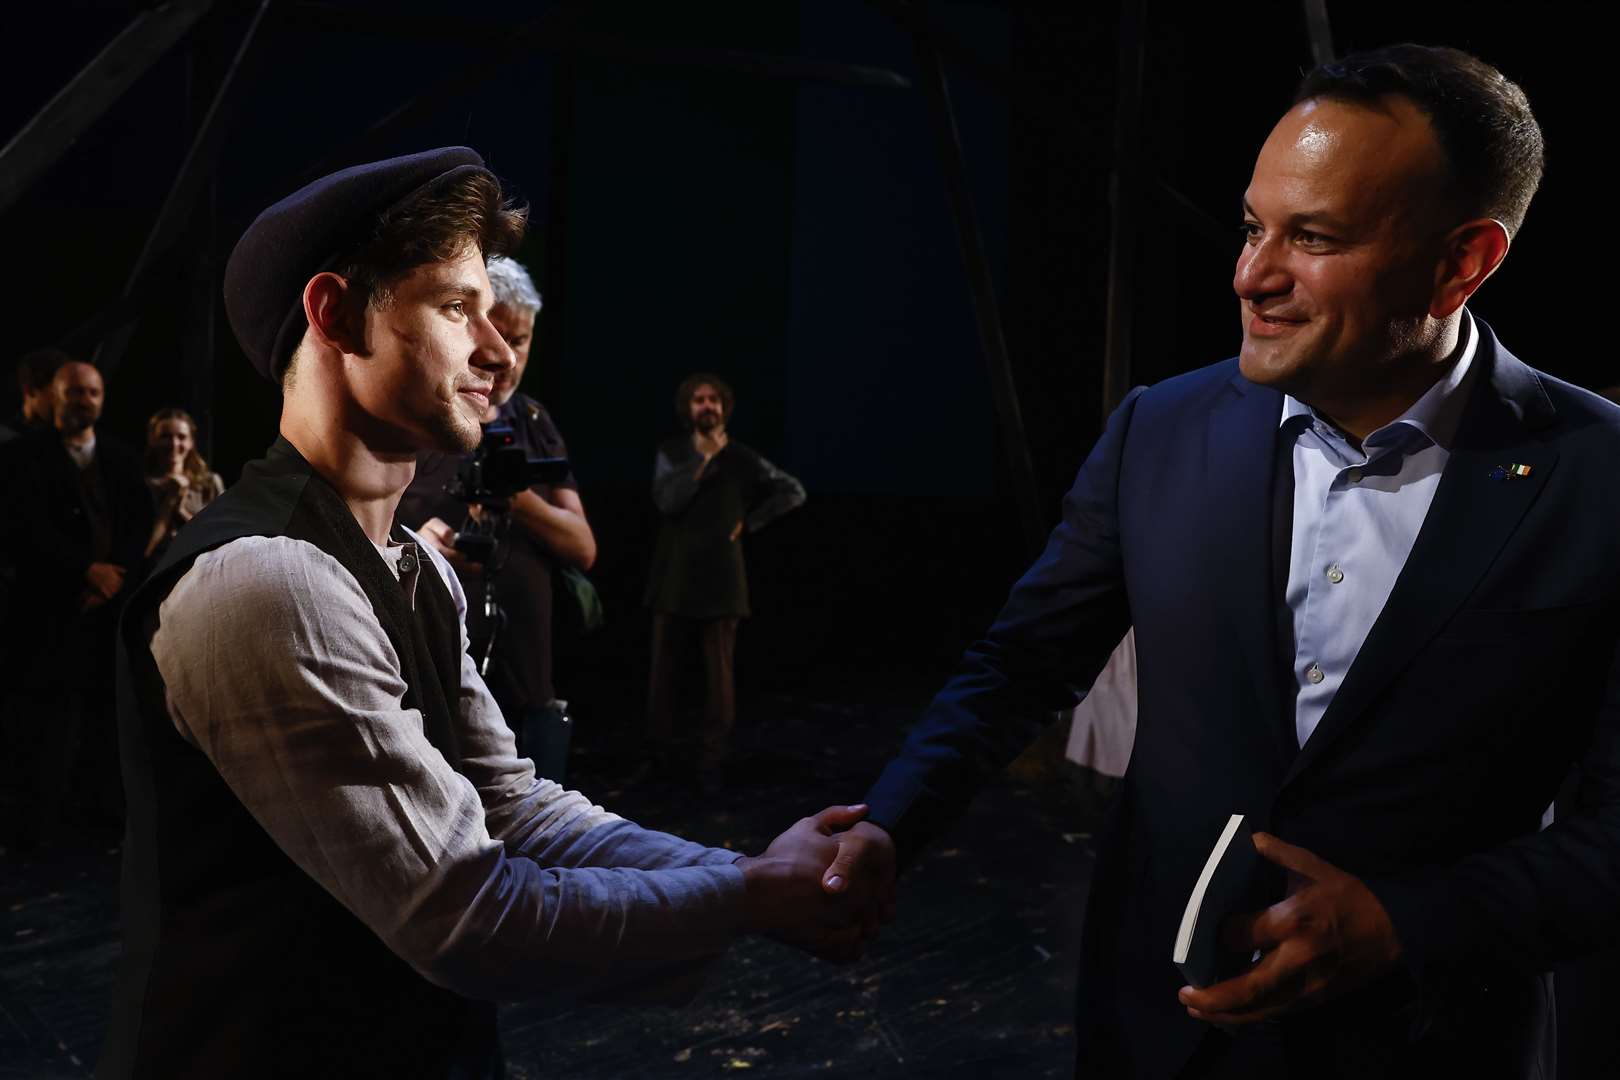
(487, 881)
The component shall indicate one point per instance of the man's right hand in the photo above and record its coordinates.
(786, 900)
(104, 579)
(709, 443)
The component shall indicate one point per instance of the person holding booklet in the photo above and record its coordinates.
(1373, 569)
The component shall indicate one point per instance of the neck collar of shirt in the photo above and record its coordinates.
(1434, 416)
(405, 562)
(82, 455)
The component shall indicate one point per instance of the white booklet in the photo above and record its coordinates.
(1222, 890)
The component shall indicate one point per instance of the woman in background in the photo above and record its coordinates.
(179, 479)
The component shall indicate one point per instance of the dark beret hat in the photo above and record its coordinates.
(306, 233)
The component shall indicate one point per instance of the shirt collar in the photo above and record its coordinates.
(1435, 415)
(405, 561)
(82, 455)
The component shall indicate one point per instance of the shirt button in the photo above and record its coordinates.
(1354, 476)
(1314, 673)
(407, 563)
(1335, 575)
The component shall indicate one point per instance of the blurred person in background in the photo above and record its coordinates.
(35, 370)
(709, 490)
(177, 476)
(78, 522)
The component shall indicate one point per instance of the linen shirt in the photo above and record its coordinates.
(1357, 513)
(489, 881)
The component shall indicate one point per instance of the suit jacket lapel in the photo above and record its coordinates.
(1474, 512)
(1240, 463)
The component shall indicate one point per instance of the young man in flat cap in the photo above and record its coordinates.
(334, 854)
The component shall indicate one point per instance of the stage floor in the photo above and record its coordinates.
(974, 978)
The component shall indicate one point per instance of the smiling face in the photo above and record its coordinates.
(1343, 226)
(77, 393)
(433, 358)
(174, 437)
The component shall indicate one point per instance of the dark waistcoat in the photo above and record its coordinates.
(237, 963)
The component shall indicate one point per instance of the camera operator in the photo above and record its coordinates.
(547, 528)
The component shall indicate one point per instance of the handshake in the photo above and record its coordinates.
(825, 885)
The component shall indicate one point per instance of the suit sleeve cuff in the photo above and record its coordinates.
(1438, 927)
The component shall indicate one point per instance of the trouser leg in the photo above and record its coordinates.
(660, 680)
(720, 709)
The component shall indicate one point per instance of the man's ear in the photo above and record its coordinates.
(1473, 251)
(335, 317)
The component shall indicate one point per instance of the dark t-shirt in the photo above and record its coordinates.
(520, 673)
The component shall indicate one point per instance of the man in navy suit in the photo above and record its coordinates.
(1373, 566)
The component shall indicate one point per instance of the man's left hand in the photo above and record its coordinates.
(1330, 936)
(442, 538)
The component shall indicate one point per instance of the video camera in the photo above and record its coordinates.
(495, 472)
(500, 468)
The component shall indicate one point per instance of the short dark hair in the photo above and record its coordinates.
(1481, 118)
(36, 369)
(689, 386)
(434, 225)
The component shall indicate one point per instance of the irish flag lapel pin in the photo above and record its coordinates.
(1508, 472)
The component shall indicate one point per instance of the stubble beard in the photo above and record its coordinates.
(454, 432)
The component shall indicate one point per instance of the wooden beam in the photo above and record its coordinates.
(178, 207)
(1003, 391)
(45, 138)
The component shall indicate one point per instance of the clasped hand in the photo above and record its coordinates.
(789, 895)
(1330, 936)
(102, 582)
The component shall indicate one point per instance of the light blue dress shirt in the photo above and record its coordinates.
(1356, 516)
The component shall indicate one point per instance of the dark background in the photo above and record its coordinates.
(697, 209)
(791, 233)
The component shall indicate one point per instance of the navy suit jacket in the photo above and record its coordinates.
(1491, 671)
